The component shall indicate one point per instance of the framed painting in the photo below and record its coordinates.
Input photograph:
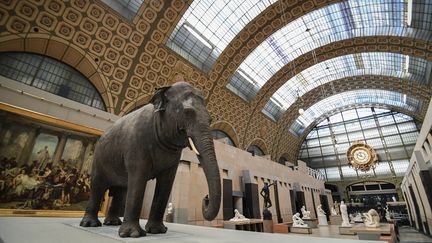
(45, 164)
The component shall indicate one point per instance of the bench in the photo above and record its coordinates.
(282, 227)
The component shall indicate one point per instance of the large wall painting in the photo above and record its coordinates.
(45, 164)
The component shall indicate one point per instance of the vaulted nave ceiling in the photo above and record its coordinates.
(257, 62)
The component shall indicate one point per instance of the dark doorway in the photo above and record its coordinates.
(416, 208)
(293, 202)
(325, 206)
(300, 201)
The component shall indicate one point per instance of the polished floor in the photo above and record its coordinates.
(331, 231)
(410, 235)
(47, 230)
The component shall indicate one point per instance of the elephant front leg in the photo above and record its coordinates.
(117, 206)
(98, 188)
(134, 198)
(164, 183)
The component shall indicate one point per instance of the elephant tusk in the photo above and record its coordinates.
(191, 143)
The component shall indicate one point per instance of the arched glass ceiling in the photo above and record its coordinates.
(345, 20)
(348, 98)
(208, 26)
(393, 135)
(369, 63)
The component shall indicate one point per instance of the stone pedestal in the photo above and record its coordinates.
(322, 220)
(300, 230)
(267, 215)
(268, 226)
(170, 218)
(268, 221)
(346, 230)
(312, 223)
(335, 220)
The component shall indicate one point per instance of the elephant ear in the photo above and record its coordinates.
(159, 99)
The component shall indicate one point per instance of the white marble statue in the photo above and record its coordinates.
(305, 213)
(170, 208)
(372, 218)
(394, 199)
(351, 217)
(358, 217)
(320, 211)
(387, 214)
(344, 212)
(337, 207)
(333, 212)
(297, 221)
(238, 216)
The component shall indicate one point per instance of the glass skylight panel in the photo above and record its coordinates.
(208, 26)
(333, 174)
(383, 168)
(400, 166)
(345, 20)
(324, 152)
(362, 96)
(348, 172)
(127, 8)
(373, 63)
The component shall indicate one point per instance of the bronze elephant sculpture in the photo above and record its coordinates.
(147, 144)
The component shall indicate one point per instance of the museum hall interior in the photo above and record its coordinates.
(216, 121)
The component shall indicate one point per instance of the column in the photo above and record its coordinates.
(86, 164)
(59, 149)
(28, 147)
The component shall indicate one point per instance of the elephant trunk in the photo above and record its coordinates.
(202, 141)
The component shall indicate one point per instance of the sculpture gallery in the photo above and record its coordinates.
(146, 144)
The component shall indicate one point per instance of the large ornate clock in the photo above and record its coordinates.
(361, 156)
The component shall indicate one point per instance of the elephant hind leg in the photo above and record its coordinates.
(116, 208)
(97, 191)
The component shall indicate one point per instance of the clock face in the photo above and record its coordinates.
(361, 156)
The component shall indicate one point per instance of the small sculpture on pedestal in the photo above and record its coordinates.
(170, 213)
(344, 212)
(387, 214)
(297, 221)
(372, 218)
(238, 216)
(333, 212)
(322, 218)
(305, 213)
(265, 193)
(320, 211)
(337, 207)
(358, 218)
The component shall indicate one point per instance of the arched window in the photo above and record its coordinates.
(255, 150)
(218, 134)
(50, 75)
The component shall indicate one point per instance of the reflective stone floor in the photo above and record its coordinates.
(410, 235)
(47, 230)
